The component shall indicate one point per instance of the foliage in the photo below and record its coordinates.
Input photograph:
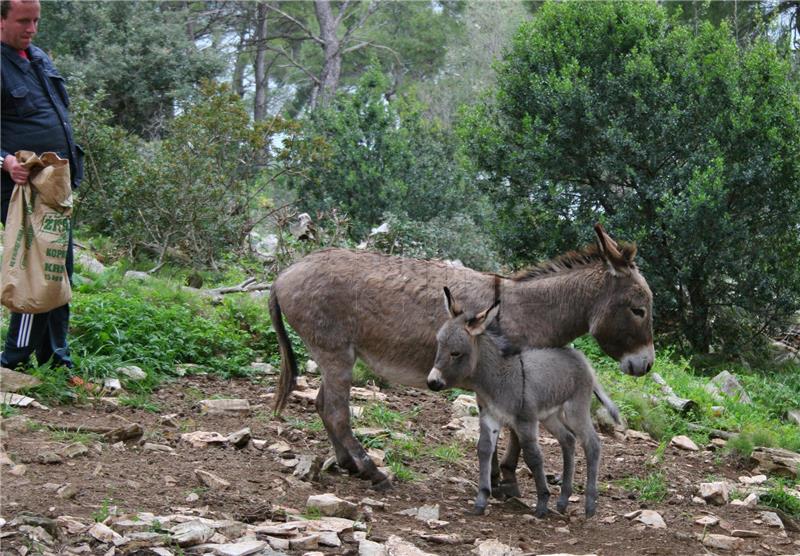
(758, 424)
(778, 497)
(677, 139)
(138, 52)
(381, 156)
(200, 190)
(454, 237)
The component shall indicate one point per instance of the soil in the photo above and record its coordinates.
(129, 479)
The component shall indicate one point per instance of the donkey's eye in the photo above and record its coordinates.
(639, 312)
(455, 354)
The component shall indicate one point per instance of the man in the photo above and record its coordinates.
(34, 118)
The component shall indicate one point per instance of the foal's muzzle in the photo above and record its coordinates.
(435, 380)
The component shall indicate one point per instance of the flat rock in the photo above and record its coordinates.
(240, 438)
(191, 533)
(105, 534)
(771, 519)
(754, 480)
(152, 447)
(371, 548)
(204, 439)
(728, 384)
(332, 506)
(366, 394)
(721, 542)
(399, 547)
(684, 443)
(716, 492)
(13, 381)
(225, 407)
(243, 548)
(133, 373)
(650, 518)
(211, 480)
(707, 520)
(777, 461)
(465, 405)
(493, 547)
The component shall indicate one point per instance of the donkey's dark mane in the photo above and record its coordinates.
(587, 256)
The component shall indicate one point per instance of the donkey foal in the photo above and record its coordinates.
(520, 389)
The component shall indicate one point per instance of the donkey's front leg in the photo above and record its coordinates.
(489, 431)
(504, 481)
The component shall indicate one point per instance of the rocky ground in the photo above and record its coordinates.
(205, 469)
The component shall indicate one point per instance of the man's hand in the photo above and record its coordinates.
(18, 172)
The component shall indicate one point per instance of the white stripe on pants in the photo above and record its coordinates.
(25, 325)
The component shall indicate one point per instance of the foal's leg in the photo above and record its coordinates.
(504, 480)
(567, 442)
(487, 443)
(578, 418)
(333, 406)
(529, 437)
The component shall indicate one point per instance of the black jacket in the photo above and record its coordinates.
(35, 113)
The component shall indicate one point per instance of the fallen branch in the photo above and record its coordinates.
(713, 433)
(681, 404)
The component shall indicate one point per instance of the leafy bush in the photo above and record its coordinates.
(454, 237)
(675, 137)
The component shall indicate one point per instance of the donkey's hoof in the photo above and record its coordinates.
(477, 510)
(382, 485)
(541, 512)
(505, 490)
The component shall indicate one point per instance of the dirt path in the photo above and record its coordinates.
(110, 480)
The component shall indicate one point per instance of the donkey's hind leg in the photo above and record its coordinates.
(579, 420)
(333, 406)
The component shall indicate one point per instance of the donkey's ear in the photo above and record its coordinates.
(482, 320)
(449, 303)
(618, 262)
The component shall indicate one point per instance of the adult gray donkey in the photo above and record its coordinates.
(386, 310)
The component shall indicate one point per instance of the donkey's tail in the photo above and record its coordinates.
(288, 361)
(612, 408)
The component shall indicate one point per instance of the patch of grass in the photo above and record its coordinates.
(7, 411)
(363, 376)
(312, 512)
(651, 488)
(778, 497)
(401, 472)
(379, 415)
(450, 453)
(313, 425)
(103, 512)
(75, 437)
(453, 393)
(139, 401)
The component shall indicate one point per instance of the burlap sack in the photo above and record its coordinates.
(34, 274)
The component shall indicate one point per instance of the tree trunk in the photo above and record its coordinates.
(262, 80)
(332, 66)
(237, 80)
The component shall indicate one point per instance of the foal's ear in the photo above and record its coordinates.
(482, 320)
(449, 303)
(619, 262)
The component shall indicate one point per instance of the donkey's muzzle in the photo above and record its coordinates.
(435, 380)
(638, 363)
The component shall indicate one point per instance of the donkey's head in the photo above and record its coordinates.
(457, 345)
(621, 319)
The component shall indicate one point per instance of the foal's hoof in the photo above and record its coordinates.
(541, 512)
(505, 490)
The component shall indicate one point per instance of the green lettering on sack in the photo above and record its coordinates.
(56, 253)
(50, 267)
(55, 224)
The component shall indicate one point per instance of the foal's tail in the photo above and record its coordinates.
(610, 406)
(288, 360)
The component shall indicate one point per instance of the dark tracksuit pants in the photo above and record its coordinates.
(43, 333)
